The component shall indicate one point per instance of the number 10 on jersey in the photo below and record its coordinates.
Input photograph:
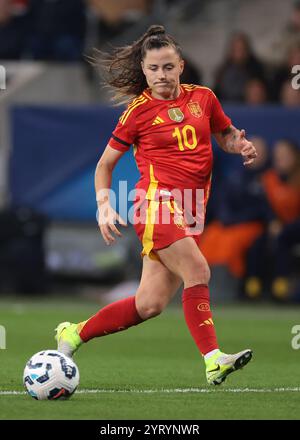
(186, 137)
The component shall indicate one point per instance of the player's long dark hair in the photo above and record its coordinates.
(121, 70)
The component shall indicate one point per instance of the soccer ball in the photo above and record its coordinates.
(50, 375)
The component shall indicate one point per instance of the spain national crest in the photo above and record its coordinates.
(195, 109)
(176, 114)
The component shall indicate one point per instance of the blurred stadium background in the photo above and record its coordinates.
(55, 121)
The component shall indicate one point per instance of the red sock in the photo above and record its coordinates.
(198, 317)
(113, 318)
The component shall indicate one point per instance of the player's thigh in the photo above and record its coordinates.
(157, 287)
(184, 258)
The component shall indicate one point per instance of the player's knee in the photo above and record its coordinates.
(198, 272)
(150, 309)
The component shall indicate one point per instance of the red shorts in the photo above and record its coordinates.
(160, 223)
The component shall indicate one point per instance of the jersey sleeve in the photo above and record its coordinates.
(218, 120)
(124, 135)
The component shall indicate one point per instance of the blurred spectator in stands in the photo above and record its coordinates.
(22, 250)
(241, 215)
(108, 20)
(289, 97)
(240, 65)
(282, 188)
(256, 92)
(57, 30)
(287, 259)
(284, 73)
(110, 24)
(191, 74)
(13, 29)
(288, 37)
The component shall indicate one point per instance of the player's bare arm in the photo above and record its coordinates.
(107, 216)
(233, 140)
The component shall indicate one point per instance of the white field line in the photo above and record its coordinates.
(172, 391)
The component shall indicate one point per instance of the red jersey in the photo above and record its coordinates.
(171, 138)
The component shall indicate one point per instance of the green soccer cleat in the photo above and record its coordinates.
(220, 365)
(67, 337)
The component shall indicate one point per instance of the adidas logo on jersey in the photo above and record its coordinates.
(157, 121)
(208, 321)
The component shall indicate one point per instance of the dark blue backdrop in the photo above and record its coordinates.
(56, 149)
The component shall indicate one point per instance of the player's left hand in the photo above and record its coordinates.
(247, 149)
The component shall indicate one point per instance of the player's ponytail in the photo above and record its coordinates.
(121, 70)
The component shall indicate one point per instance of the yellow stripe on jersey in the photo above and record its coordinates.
(152, 208)
(147, 95)
(147, 239)
(125, 116)
(153, 184)
(190, 87)
(133, 103)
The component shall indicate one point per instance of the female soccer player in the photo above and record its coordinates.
(170, 125)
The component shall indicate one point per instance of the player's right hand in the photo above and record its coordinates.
(247, 149)
(107, 218)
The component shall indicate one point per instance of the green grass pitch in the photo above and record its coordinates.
(154, 371)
